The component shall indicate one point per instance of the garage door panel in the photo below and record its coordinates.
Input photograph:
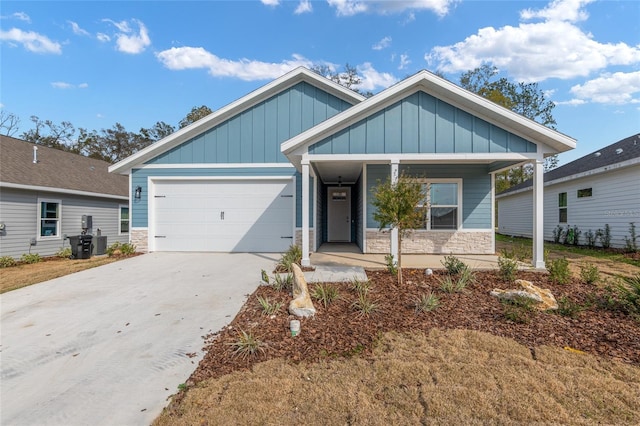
(223, 215)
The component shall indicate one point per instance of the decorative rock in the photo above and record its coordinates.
(301, 305)
(428, 271)
(543, 297)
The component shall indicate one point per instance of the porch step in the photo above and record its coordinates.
(332, 274)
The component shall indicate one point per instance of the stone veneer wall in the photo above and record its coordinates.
(312, 243)
(437, 242)
(139, 238)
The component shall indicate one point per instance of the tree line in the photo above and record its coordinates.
(116, 143)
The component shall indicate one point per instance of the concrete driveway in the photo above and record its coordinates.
(109, 345)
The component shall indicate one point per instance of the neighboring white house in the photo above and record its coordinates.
(45, 192)
(598, 189)
(295, 161)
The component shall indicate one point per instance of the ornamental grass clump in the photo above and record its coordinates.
(325, 293)
(426, 303)
(247, 345)
(269, 307)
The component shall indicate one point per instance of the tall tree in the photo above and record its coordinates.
(349, 78)
(196, 114)
(397, 207)
(9, 123)
(47, 133)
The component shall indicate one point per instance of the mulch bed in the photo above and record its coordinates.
(339, 330)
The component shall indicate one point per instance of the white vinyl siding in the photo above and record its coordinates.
(615, 200)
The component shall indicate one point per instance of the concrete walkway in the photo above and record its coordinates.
(109, 345)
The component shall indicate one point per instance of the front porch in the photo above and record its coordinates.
(349, 254)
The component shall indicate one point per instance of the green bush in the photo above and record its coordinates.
(7, 261)
(325, 293)
(629, 294)
(508, 268)
(589, 273)
(291, 256)
(268, 307)
(453, 265)
(456, 284)
(426, 303)
(247, 345)
(568, 308)
(31, 258)
(392, 266)
(121, 249)
(64, 252)
(559, 270)
(519, 309)
(283, 282)
(631, 243)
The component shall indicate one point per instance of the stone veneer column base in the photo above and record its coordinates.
(436, 242)
(140, 238)
(312, 241)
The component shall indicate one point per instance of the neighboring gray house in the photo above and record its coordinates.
(600, 188)
(44, 193)
(295, 161)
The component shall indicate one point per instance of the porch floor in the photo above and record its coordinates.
(348, 254)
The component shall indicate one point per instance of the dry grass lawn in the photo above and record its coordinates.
(24, 275)
(452, 377)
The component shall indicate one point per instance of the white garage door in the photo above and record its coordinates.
(222, 215)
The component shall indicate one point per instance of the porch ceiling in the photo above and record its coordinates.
(335, 172)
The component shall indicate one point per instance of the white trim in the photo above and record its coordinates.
(130, 202)
(305, 215)
(493, 212)
(219, 177)
(276, 86)
(364, 208)
(424, 231)
(314, 208)
(60, 190)
(209, 166)
(120, 219)
(457, 181)
(538, 215)
(444, 158)
(39, 218)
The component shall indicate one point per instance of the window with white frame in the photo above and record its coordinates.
(49, 215)
(442, 207)
(124, 219)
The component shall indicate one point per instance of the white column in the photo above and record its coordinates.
(538, 214)
(394, 231)
(305, 213)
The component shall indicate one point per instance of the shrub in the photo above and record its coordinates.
(247, 345)
(629, 294)
(268, 307)
(519, 309)
(127, 249)
(576, 235)
(364, 305)
(568, 308)
(557, 234)
(31, 258)
(564, 238)
(589, 273)
(7, 261)
(291, 256)
(264, 276)
(64, 252)
(453, 265)
(325, 294)
(604, 236)
(426, 303)
(392, 266)
(508, 268)
(591, 238)
(559, 270)
(283, 282)
(121, 249)
(360, 286)
(630, 243)
(453, 284)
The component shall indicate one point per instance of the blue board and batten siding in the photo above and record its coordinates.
(422, 124)
(255, 135)
(476, 189)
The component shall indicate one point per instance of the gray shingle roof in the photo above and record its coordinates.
(57, 169)
(623, 150)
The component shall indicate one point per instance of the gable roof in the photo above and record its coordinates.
(445, 91)
(265, 92)
(625, 150)
(57, 171)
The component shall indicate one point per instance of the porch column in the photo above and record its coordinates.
(305, 213)
(538, 214)
(394, 231)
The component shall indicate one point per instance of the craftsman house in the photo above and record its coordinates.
(295, 161)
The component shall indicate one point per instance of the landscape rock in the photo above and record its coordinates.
(301, 305)
(543, 297)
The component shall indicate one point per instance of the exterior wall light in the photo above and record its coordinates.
(138, 193)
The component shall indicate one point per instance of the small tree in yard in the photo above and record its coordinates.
(397, 207)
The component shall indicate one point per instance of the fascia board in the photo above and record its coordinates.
(61, 191)
(234, 108)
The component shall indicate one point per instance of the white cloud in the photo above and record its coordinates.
(610, 88)
(181, 58)
(63, 85)
(555, 48)
(31, 41)
(20, 16)
(103, 37)
(127, 39)
(382, 44)
(76, 29)
(404, 61)
(372, 79)
(270, 2)
(353, 7)
(572, 102)
(303, 7)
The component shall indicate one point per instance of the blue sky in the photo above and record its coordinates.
(98, 63)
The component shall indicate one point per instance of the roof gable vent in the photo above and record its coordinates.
(619, 151)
